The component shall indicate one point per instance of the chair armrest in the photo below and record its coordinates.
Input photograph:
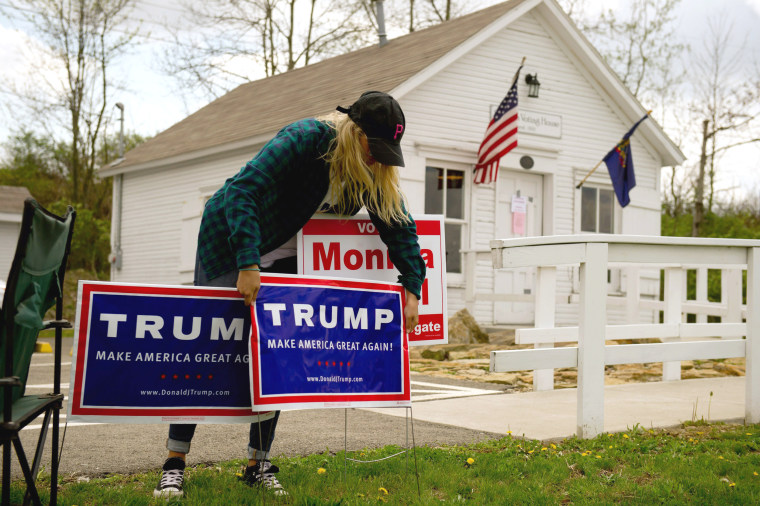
(10, 381)
(55, 324)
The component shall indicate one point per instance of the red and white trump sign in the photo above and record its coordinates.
(351, 248)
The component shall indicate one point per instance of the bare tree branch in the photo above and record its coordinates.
(734, 145)
(73, 88)
(234, 41)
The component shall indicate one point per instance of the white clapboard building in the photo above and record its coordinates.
(11, 211)
(449, 79)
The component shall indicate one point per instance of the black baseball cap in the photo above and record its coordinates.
(380, 117)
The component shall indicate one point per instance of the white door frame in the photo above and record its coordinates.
(518, 281)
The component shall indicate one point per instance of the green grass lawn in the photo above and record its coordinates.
(695, 464)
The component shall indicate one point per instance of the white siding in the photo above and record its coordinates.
(8, 238)
(454, 107)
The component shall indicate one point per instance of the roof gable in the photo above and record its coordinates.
(622, 99)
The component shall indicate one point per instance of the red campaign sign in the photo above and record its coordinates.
(352, 248)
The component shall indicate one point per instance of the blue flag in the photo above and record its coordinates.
(619, 163)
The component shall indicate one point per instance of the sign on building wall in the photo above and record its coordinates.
(352, 248)
(150, 353)
(539, 123)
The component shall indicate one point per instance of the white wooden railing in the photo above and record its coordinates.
(594, 254)
(471, 295)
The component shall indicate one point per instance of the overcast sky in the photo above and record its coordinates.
(153, 102)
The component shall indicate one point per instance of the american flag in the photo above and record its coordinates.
(500, 138)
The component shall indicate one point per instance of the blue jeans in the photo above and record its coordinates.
(261, 434)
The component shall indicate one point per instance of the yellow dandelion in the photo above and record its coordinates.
(531, 451)
(755, 473)
(381, 489)
(554, 447)
(732, 484)
(509, 432)
(471, 461)
(625, 436)
(749, 433)
(599, 456)
(321, 470)
(721, 457)
(610, 446)
(609, 435)
(544, 449)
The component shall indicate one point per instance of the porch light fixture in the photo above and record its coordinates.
(533, 85)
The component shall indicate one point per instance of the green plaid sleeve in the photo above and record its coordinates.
(404, 250)
(253, 190)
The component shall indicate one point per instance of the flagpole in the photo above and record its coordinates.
(597, 165)
(517, 74)
(589, 174)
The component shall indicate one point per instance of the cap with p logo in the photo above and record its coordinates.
(380, 117)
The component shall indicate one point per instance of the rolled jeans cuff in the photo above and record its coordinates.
(254, 454)
(177, 446)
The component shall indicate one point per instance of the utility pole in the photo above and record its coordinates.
(380, 15)
(116, 255)
(120, 106)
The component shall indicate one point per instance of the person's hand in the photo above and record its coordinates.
(411, 311)
(248, 284)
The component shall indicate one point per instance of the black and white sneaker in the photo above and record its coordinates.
(262, 475)
(172, 476)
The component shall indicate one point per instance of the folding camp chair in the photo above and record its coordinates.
(35, 283)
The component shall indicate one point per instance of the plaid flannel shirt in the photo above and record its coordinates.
(275, 194)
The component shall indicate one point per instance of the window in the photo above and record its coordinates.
(597, 210)
(598, 216)
(447, 199)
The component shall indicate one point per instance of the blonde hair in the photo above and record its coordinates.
(356, 183)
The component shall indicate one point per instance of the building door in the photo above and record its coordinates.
(519, 213)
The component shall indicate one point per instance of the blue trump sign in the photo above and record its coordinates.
(338, 343)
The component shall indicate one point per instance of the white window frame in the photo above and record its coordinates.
(454, 278)
(614, 275)
(598, 189)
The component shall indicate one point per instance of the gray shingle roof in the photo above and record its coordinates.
(264, 106)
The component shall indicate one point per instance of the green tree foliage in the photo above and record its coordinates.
(738, 221)
(736, 224)
(36, 163)
(42, 166)
(91, 242)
